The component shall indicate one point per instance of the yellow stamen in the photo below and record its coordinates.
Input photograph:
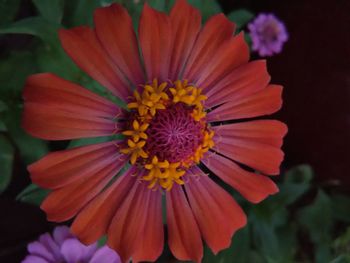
(138, 131)
(163, 173)
(135, 149)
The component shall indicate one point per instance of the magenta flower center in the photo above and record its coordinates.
(173, 134)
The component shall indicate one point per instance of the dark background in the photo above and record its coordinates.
(314, 68)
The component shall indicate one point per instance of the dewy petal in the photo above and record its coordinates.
(254, 187)
(264, 102)
(231, 54)
(61, 168)
(216, 31)
(64, 203)
(94, 219)
(184, 236)
(51, 90)
(115, 31)
(250, 149)
(136, 230)
(185, 23)
(241, 82)
(156, 43)
(217, 214)
(82, 46)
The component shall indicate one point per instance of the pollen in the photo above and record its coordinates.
(167, 131)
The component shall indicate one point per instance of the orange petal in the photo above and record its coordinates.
(81, 45)
(51, 90)
(270, 132)
(61, 168)
(241, 82)
(128, 233)
(264, 102)
(185, 23)
(184, 237)
(255, 154)
(217, 214)
(64, 203)
(216, 31)
(231, 54)
(115, 31)
(93, 221)
(254, 187)
(156, 43)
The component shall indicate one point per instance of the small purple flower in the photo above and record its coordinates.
(63, 247)
(268, 34)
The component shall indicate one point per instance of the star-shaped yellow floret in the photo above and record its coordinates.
(138, 131)
(157, 92)
(135, 149)
(182, 93)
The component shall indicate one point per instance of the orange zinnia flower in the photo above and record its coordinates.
(180, 82)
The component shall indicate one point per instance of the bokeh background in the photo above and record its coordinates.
(308, 221)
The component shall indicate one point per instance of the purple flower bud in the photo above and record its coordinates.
(268, 34)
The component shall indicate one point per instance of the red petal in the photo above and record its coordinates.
(131, 232)
(61, 168)
(241, 82)
(156, 43)
(252, 186)
(257, 155)
(185, 23)
(231, 54)
(269, 132)
(216, 31)
(51, 90)
(150, 247)
(51, 123)
(115, 31)
(94, 219)
(82, 46)
(184, 236)
(216, 213)
(64, 203)
(265, 102)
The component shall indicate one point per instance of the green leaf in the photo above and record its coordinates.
(51, 10)
(207, 8)
(240, 17)
(88, 141)
(31, 149)
(23, 63)
(341, 207)
(317, 219)
(32, 194)
(296, 183)
(6, 162)
(8, 11)
(80, 12)
(342, 259)
(160, 5)
(35, 26)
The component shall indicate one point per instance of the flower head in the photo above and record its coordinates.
(63, 247)
(268, 34)
(182, 93)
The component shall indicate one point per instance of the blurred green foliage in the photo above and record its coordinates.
(302, 223)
